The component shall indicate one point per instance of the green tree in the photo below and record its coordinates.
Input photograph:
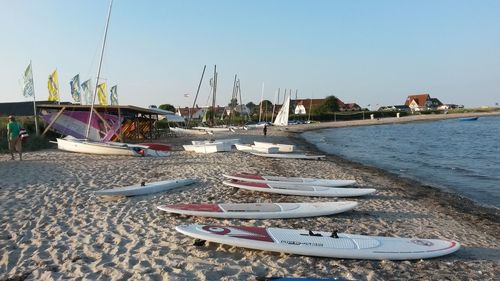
(251, 107)
(167, 106)
(331, 104)
(233, 103)
(266, 106)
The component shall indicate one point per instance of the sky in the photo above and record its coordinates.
(368, 52)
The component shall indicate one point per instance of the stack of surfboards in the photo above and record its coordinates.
(296, 186)
(297, 241)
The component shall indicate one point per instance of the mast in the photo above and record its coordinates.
(234, 96)
(261, 99)
(214, 95)
(34, 101)
(276, 99)
(310, 106)
(98, 70)
(197, 92)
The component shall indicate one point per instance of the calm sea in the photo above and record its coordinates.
(459, 156)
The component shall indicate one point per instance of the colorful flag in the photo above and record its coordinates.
(74, 85)
(87, 91)
(53, 86)
(28, 90)
(101, 94)
(113, 97)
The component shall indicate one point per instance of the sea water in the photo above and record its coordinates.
(459, 156)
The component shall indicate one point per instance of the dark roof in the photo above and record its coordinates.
(23, 108)
(109, 108)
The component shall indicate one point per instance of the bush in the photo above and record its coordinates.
(33, 142)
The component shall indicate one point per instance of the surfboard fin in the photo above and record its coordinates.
(314, 234)
(199, 243)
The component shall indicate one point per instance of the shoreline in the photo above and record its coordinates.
(388, 120)
(414, 187)
(454, 198)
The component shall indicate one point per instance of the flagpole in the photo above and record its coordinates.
(98, 71)
(34, 101)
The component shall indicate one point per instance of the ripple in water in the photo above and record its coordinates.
(460, 156)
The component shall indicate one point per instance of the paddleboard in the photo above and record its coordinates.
(302, 190)
(321, 244)
(147, 188)
(292, 180)
(281, 147)
(158, 146)
(289, 155)
(260, 210)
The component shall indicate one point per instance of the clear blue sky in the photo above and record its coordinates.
(368, 52)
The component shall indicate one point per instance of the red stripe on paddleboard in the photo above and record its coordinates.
(243, 232)
(158, 146)
(197, 207)
(249, 176)
(252, 184)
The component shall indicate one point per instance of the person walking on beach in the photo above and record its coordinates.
(265, 130)
(13, 130)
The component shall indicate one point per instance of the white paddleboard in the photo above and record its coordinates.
(147, 188)
(289, 155)
(321, 244)
(291, 180)
(281, 147)
(303, 190)
(260, 210)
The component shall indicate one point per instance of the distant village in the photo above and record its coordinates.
(413, 104)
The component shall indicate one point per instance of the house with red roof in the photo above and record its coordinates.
(422, 102)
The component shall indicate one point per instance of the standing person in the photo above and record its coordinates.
(265, 130)
(13, 129)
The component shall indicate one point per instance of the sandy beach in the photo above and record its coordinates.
(53, 227)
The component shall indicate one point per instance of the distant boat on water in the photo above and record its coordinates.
(468, 118)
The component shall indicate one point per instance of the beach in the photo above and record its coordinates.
(53, 227)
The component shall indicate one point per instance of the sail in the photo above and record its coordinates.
(282, 116)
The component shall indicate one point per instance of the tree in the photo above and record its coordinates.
(266, 106)
(167, 106)
(251, 107)
(233, 103)
(331, 104)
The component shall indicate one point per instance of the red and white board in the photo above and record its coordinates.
(321, 244)
(289, 180)
(260, 210)
(303, 190)
(158, 146)
(289, 155)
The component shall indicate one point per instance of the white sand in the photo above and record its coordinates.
(53, 227)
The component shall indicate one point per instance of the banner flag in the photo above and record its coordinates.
(53, 86)
(28, 82)
(101, 94)
(113, 97)
(74, 85)
(87, 92)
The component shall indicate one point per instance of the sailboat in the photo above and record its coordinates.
(87, 145)
(282, 116)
